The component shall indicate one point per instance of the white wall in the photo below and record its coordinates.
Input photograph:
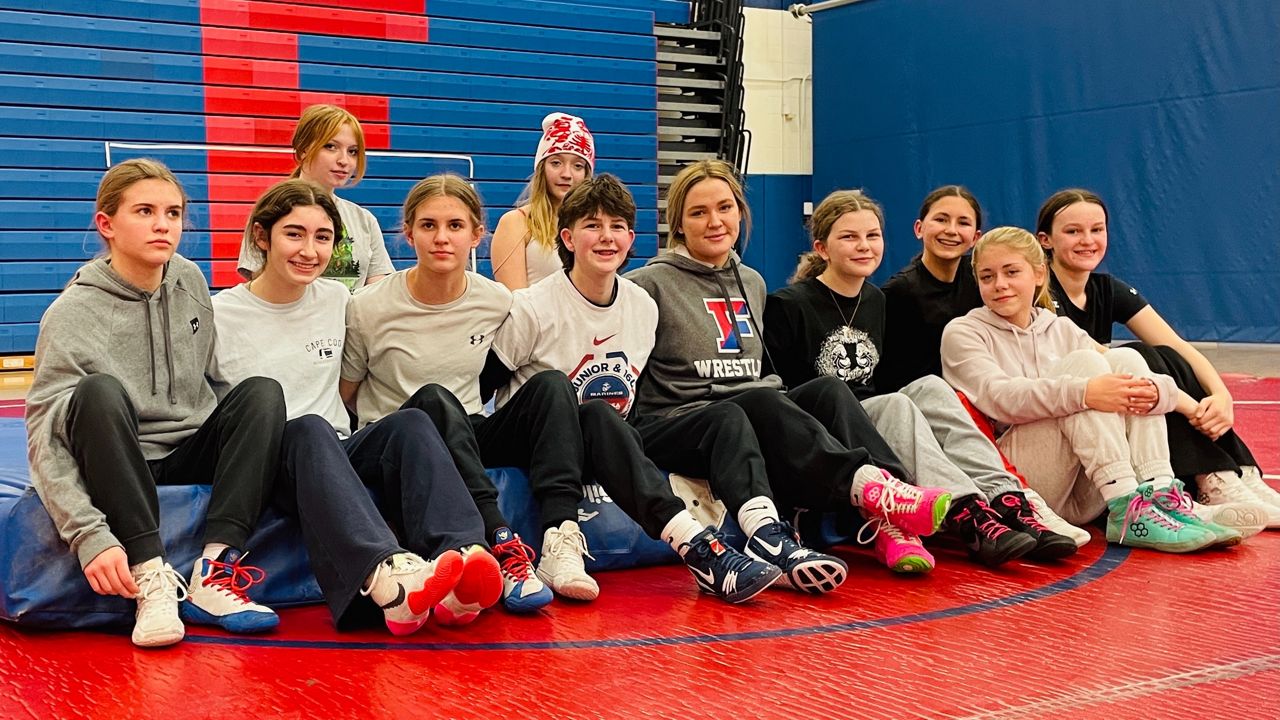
(778, 78)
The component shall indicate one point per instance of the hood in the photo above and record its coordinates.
(1041, 320)
(680, 259)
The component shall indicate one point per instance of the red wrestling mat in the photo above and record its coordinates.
(1109, 634)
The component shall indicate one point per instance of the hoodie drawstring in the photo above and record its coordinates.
(168, 341)
(151, 342)
(751, 315)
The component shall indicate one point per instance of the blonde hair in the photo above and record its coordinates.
(318, 125)
(684, 181)
(444, 185)
(540, 219)
(124, 175)
(1023, 243)
(825, 216)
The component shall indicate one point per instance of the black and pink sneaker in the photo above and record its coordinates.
(987, 538)
(1016, 513)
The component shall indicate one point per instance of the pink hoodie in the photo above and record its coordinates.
(1003, 369)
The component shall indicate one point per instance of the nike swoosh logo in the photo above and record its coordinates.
(399, 599)
(708, 577)
(598, 341)
(773, 549)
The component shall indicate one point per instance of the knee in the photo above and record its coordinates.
(757, 399)
(829, 386)
(411, 424)
(100, 391)
(598, 418)
(1083, 363)
(263, 398)
(930, 387)
(306, 432)
(432, 399)
(551, 386)
(896, 405)
(1126, 360)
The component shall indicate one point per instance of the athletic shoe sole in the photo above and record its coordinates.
(743, 595)
(815, 576)
(244, 622)
(1019, 546)
(1055, 548)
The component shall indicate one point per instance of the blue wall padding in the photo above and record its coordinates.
(778, 234)
(1169, 113)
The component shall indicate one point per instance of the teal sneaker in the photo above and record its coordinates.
(1177, 502)
(1135, 520)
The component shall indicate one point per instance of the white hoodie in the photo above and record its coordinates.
(1004, 369)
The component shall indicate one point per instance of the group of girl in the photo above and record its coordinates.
(290, 390)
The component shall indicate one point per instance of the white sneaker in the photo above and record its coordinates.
(561, 567)
(1050, 519)
(1248, 519)
(216, 596)
(406, 587)
(1224, 487)
(160, 589)
(1251, 477)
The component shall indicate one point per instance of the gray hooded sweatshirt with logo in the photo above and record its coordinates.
(157, 344)
(708, 339)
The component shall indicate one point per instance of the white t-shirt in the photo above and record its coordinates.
(298, 344)
(368, 248)
(395, 344)
(602, 349)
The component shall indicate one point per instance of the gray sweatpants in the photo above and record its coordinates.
(1068, 459)
(931, 432)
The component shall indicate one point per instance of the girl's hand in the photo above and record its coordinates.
(1213, 416)
(1121, 394)
(108, 574)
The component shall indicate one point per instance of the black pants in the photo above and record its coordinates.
(1191, 452)
(813, 439)
(236, 450)
(616, 460)
(323, 485)
(537, 430)
(715, 442)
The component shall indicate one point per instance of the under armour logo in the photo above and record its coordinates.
(477, 339)
(195, 325)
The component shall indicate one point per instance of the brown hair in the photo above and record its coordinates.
(684, 181)
(318, 125)
(603, 194)
(959, 191)
(444, 185)
(825, 216)
(1023, 243)
(278, 201)
(123, 175)
(1059, 201)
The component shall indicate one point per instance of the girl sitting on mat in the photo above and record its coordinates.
(120, 404)
(288, 323)
(1204, 449)
(1086, 424)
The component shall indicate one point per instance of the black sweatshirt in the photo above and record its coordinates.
(807, 337)
(918, 306)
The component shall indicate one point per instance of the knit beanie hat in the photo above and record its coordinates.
(563, 133)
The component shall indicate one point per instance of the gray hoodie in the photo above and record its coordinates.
(158, 345)
(708, 339)
(1005, 370)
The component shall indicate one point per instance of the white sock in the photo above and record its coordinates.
(681, 530)
(860, 478)
(213, 550)
(756, 513)
(1162, 482)
(1118, 488)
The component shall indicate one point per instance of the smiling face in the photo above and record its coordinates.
(1008, 283)
(443, 234)
(949, 228)
(1078, 237)
(854, 246)
(711, 221)
(300, 246)
(334, 163)
(146, 227)
(563, 172)
(599, 242)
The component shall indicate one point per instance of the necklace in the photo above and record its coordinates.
(848, 322)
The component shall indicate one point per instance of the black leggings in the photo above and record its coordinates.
(236, 450)
(1191, 452)
(536, 430)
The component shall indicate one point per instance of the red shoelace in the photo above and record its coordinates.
(234, 577)
(515, 557)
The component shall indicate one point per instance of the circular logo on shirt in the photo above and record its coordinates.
(608, 377)
(847, 353)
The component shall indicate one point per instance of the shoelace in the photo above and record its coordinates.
(401, 564)
(1174, 499)
(155, 583)
(733, 561)
(889, 502)
(515, 557)
(1025, 514)
(572, 544)
(878, 526)
(1140, 505)
(991, 528)
(234, 578)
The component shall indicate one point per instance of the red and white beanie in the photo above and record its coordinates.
(563, 133)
